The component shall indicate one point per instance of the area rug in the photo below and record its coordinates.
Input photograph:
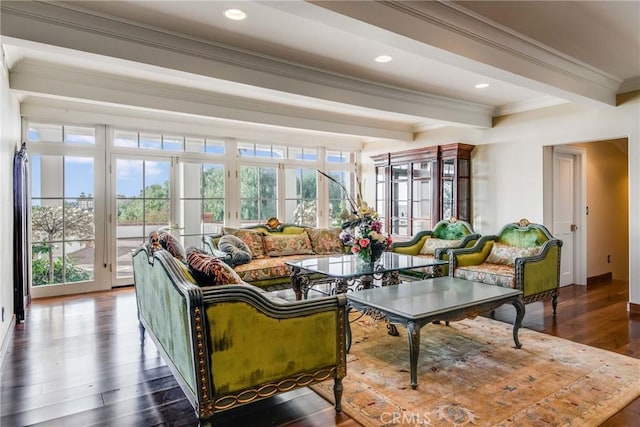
(469, 373)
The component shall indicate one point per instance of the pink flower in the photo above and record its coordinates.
(363, 242)
(376, 226)
(355, 249)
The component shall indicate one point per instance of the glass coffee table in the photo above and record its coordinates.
(347, 272)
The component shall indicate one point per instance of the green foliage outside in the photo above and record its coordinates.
(50, 227)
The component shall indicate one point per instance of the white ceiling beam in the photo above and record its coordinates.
(47, 80)
(50, 24)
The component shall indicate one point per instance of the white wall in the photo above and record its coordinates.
(9, 140)
(507, 163)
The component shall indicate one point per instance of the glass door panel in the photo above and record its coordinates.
(202, 201)
(142, 206)
(62, 220)
(258, 194)
(301, 197)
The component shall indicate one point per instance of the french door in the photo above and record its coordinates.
(141, 204)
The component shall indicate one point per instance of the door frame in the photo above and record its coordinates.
(580, 205)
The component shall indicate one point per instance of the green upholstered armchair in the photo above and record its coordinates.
(522, 255)
(230, 345)
(446, 234)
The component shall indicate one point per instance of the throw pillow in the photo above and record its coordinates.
(287, 244)
(165, 240)
(208, 270)
(506, 255)
(253, 240)
(325, 241)
(234, 246)
(431, 244)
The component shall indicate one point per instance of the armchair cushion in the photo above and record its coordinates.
(431, 244)
(208, 270)
(236, 247)
(287, 244)
(506, 254)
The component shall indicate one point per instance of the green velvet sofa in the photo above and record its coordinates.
(522, 255)
(271, 272)
(230, 345)
(433, 244)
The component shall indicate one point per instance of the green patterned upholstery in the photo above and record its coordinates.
(522, 255)
(235, 344)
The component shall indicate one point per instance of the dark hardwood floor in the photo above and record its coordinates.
(77, 361)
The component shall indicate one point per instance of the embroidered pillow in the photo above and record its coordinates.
(234, 246)
(287, 244)
(506, 254)
(167, 241)
(208, 270)
(325, 241)
(431, 244)
(253, 239)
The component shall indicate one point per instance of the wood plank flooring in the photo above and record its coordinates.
(77, 361)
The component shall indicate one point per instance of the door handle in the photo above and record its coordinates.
(574, 227)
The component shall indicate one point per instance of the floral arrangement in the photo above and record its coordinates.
(361, 228)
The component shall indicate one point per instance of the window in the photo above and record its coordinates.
(202, 201)
(301, 197)
(62, 219)
(258, 194)
(56, 133)
(142, 205)
(338, 197)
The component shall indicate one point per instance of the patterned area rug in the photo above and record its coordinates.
(469, 373)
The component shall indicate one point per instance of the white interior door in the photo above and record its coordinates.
(564, 215)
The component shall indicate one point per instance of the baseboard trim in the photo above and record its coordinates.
(634, 308)
(8, 336)
(601, 278)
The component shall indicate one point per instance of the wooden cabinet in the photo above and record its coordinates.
(417, 188)
(455, 181)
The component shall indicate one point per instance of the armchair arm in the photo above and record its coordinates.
(540, 272)
(413, 246)
(474, 255)
(256, 340)
(467, 242)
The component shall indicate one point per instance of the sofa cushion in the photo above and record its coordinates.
(253, 239)
(267, 268)
(208, 270)
(492, 274)
(325, 241)
(431, 244)
(287, 244)
(506, 254)
(236, 247)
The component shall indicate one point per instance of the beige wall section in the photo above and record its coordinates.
(508, 162)
(9, 140)
(607, 198)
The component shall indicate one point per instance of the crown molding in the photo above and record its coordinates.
(630, 85)
(531, 104)
(439, 27)
(53, 24)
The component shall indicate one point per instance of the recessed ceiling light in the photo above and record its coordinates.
(235, 14)
(482, 85)
(383, 58)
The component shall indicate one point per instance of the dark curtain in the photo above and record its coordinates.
(21, 293)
